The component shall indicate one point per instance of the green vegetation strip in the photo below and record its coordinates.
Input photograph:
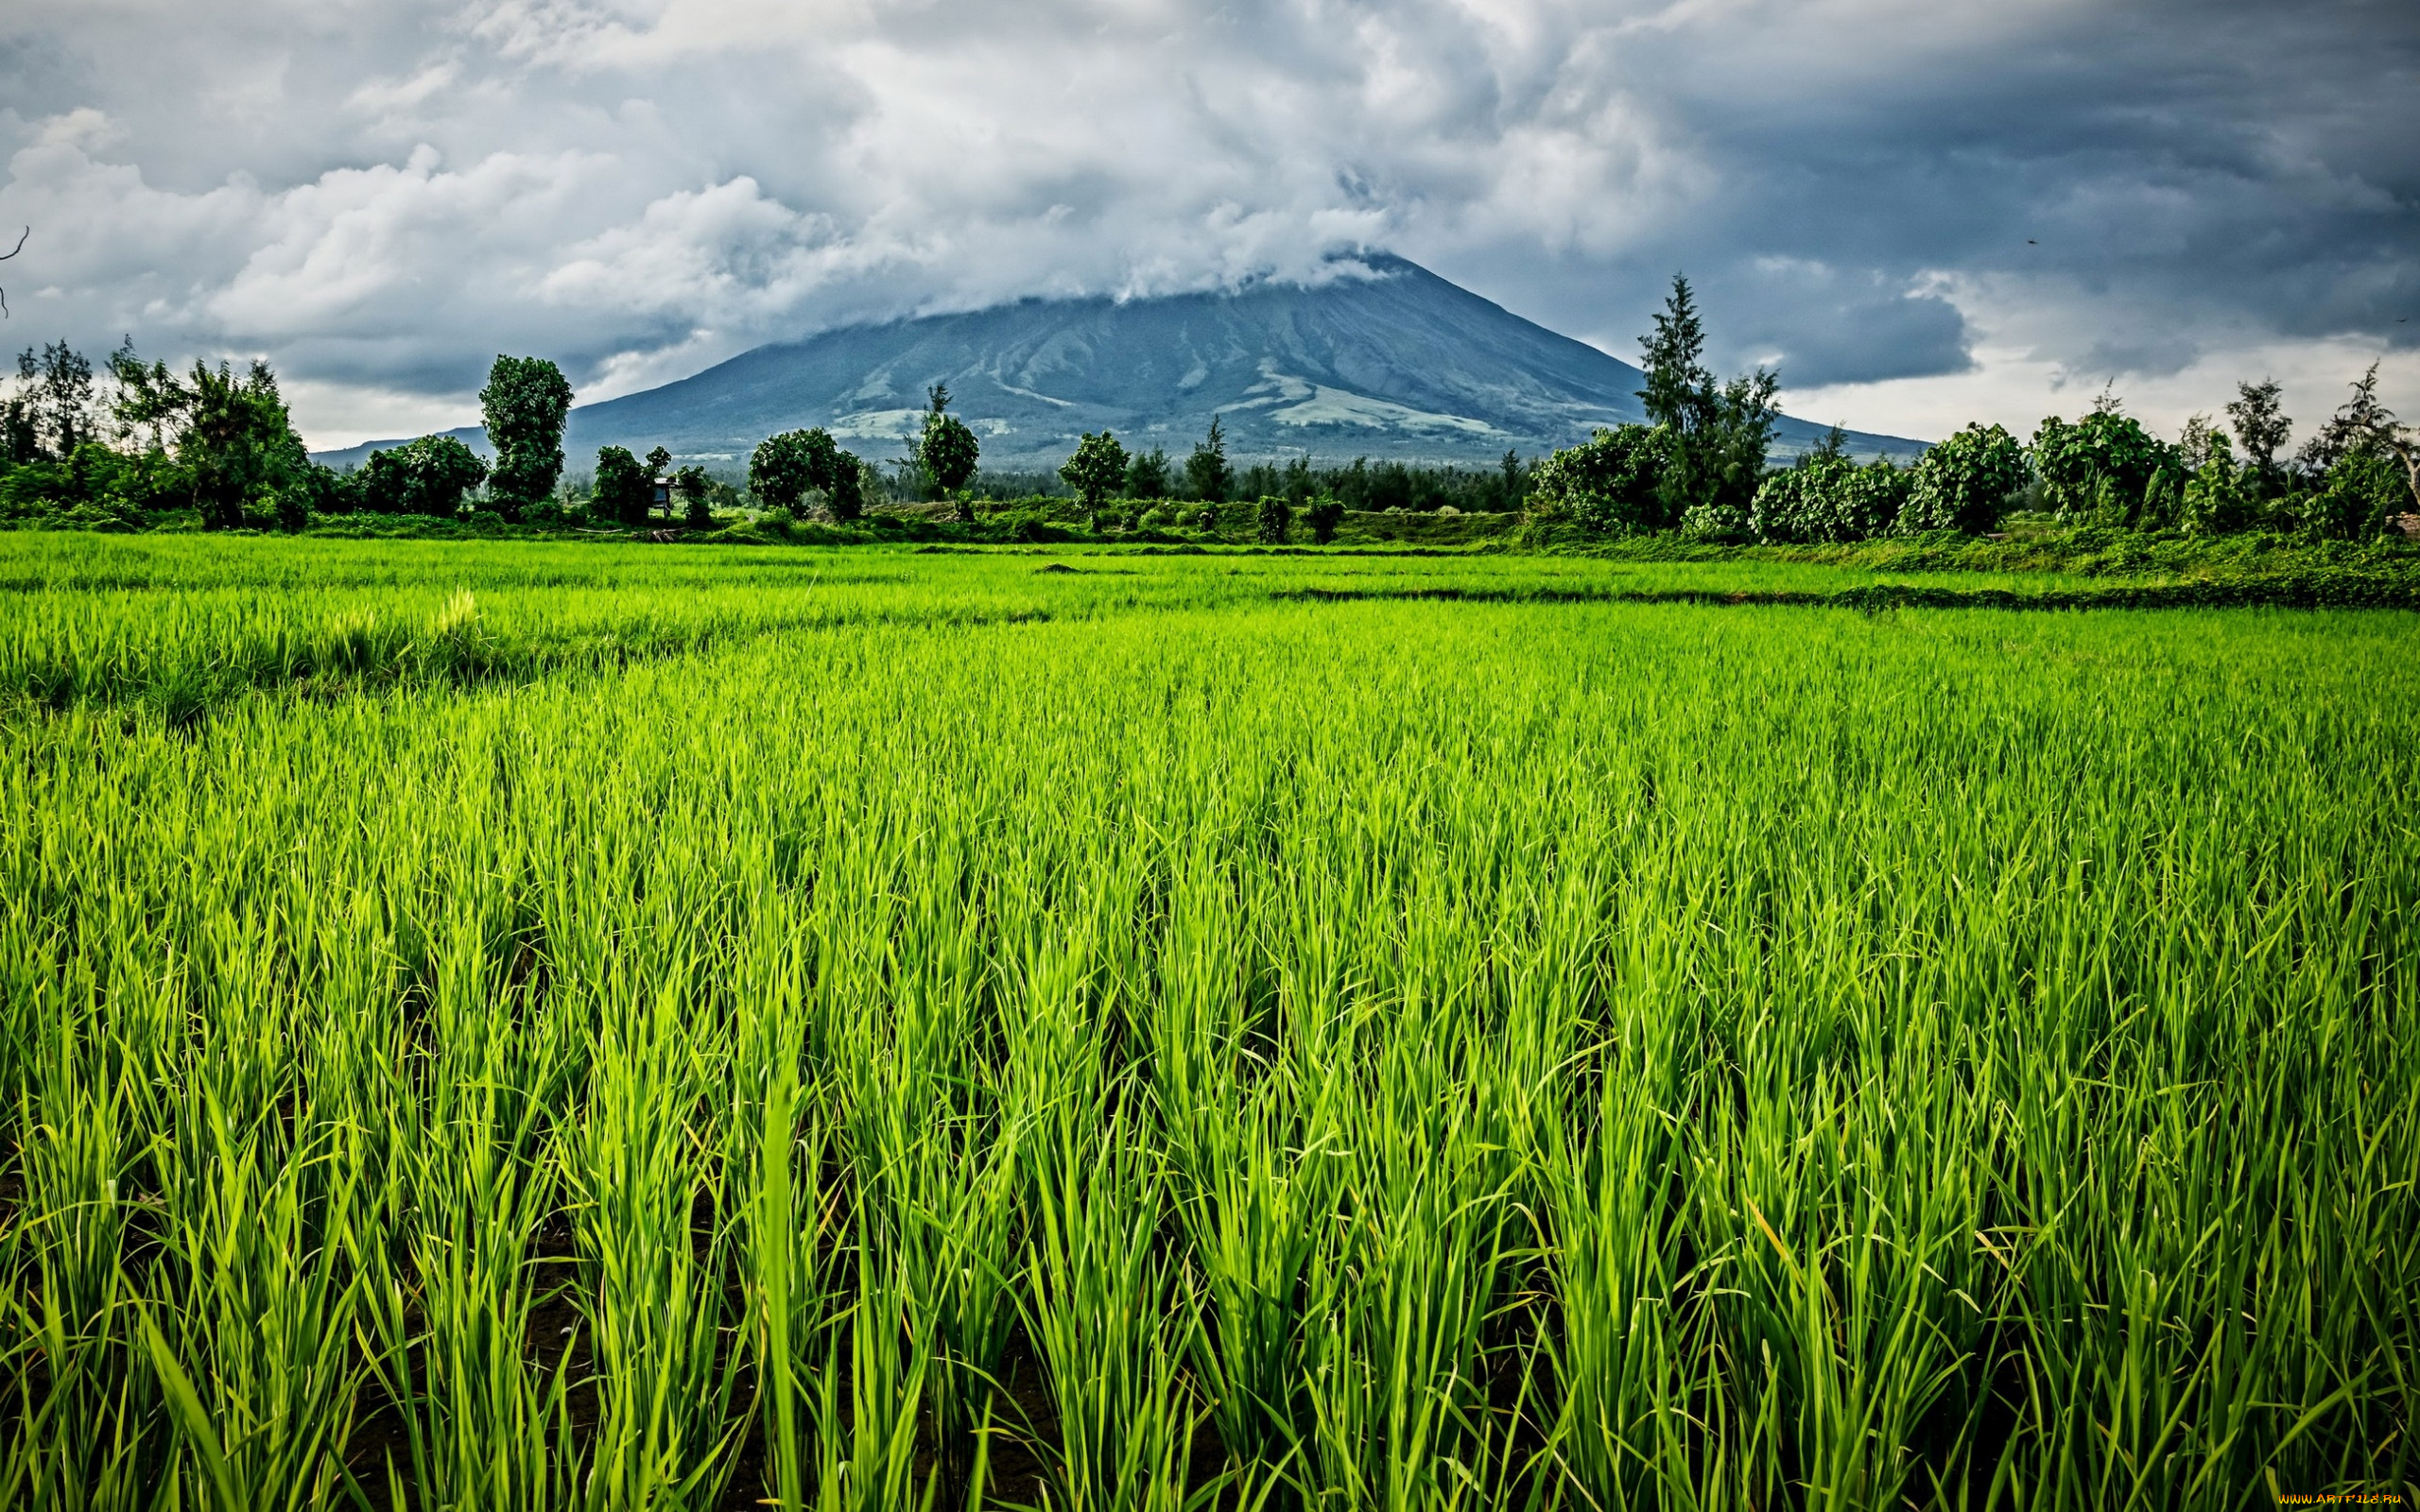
(2297, 591)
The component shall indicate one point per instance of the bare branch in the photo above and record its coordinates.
(3, 257)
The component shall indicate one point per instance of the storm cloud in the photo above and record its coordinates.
(1918, 213)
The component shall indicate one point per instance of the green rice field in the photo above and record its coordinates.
(502, 1026)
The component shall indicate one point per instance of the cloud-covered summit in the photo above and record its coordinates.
(1919, 213)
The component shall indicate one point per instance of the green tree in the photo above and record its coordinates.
(20, 431)
(54, 412)
(319, 491)
(946, 450)
(1608, 484)
(2219, 496)
(781, 471)
(847, 480)
(524, 408)
(1716, 432)
(1672, 359)
(1827, 498)
(1275, 516)
(620, 491)
(94, 487)
(2101, 468)
(2361, 423)
(950, 453)
(1964, 482)
(430, 476)
(1146, 475)
(2258, 419)
(231, 435)
(1096, 470)
(1513, 487)
(1207, 476)
(696, 491)
(2359, 446)
(2356, 498)
(1323, 513)
(785, 467)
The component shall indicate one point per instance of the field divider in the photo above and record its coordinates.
(2299, 590)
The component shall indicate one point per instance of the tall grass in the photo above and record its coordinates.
(1174, 1047)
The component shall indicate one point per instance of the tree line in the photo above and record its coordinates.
(1697, 466)
(221, 443)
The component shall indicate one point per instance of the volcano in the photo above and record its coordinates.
(1379, 357)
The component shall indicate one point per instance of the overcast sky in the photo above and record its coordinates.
(1921, 213)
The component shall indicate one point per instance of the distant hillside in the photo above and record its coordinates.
(1384, 360)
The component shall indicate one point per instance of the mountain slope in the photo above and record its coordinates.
(1385, 360)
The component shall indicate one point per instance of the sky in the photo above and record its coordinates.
(1919, 213)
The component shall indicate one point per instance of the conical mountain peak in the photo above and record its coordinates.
(1384, 360)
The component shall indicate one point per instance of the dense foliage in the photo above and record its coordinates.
(2103, 467)
(1096, 470)
(1610, 485)
(431, 476)
(623, 490)
(1147, 474)
(1207, 475)
(2354, 482)
(1694, 467)
(1964, 483)
(1713, 435)
(946, 451)
(787, 467)
(524, 406)
(1827, 497)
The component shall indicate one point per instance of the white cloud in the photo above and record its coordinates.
(381, 195)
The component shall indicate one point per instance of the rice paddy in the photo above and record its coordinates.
(501, 1027)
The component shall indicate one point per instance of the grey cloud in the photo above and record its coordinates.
(383, 194)
(2166, 175)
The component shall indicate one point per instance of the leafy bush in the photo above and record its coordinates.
(2219, 496)
(430, 476)
(1322, 515)
(1031, 526)
(2356, 498)
(783, 467)
(2101, 468)
(846, 492)
(232, 437)
(93, 488)
(1963, 482)
(1275, 516)
(1608, 484)
(1829, 498)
